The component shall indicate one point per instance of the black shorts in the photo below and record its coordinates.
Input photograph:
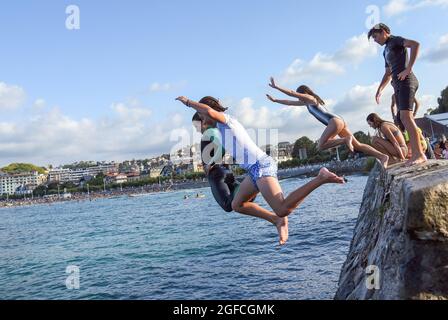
(405, 92)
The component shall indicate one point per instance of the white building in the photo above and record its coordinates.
(69, 175)
(12, 183)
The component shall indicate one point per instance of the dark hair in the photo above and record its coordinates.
(307, 90)
(196, 117)
(213, 103)
(380, 27)
(378, 121)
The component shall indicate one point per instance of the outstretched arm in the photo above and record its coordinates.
(305, 98)
(286, 102)
(203, 109)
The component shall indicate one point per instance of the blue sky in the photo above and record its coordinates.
(106, 91)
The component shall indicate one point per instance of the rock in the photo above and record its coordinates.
(400, 244)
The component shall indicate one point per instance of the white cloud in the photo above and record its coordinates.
(39, 104)
(396, 7)
(320, 68)
(132, 113)
(426, 101)
(323, 66)
(53, 137)
(359, 102)
(438, 54)
(291, 122)
(356, 50)
(11, 96)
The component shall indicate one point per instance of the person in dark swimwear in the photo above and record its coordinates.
(222, 182)
(336, 126)
(399, 70)
(389, 139)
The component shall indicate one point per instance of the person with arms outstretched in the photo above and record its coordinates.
(261, 171)
(335, 125)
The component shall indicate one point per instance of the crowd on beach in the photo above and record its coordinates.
(92, 196)
(441, 149)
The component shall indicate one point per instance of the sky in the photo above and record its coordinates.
(106, 91)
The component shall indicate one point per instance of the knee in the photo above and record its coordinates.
(282, 213)
(236, 206)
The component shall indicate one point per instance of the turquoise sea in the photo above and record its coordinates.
(160, 246)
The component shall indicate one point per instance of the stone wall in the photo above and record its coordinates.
(400, 244)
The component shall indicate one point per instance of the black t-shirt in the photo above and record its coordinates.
(396, 55)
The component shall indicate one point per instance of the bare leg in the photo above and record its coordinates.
(327, 140)
(241, 204)
(365, 148)
(385, 147)
(272, 192)
(418, 156)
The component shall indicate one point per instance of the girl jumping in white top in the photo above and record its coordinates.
(261, 169)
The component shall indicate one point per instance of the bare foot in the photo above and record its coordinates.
(384, 161)
(282, 228)
(327, 176)
(415, 161)
(349, 143)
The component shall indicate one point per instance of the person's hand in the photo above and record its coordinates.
(182, 99)
(402, 155)
(272, 84)
(404, 74)
(378, 96)
(271, 98)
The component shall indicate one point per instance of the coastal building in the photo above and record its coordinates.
(20, 183)
(284, 152)
(133, 176)
(75, 176)
(155, 172)
(116, 178)
(281, 153)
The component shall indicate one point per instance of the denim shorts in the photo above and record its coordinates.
(266, 167)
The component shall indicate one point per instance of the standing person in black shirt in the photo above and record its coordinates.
(405, 83)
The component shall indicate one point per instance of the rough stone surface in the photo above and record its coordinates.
(402, 229)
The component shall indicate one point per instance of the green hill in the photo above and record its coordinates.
(22, 168)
